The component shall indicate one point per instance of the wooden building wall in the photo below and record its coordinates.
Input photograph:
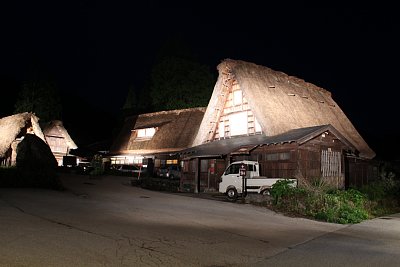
(320, 159)
(360, 172)
(277, 161)
(323, 158)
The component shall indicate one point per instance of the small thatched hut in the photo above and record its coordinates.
(12, 130)
(59, 140)
(157, 136)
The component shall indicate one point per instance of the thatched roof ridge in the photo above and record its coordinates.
(176, 130)
(174, 111)
(11, 127)
(156, 119)
(281, 102)
(57, 125)
(268, 75)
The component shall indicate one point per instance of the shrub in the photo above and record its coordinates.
(337, 206)
(343, 207)
(97, 163)
(281, 188)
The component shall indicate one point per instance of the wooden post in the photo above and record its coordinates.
(197, 176)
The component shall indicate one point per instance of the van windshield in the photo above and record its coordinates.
(251, 168)
(233, 169)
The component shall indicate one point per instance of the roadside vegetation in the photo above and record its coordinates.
(319, 201)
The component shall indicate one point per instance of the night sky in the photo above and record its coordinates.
(95, 51)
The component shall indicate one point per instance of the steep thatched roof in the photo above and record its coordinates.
(176, 130)
(11, 127)
(281, 102)
(56, 128)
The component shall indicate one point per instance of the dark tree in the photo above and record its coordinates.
(130, 106)
(178, 79)
(178, 83)
(144, 100)
(40, 97)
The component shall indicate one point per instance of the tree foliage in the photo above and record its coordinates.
(40, 97)
(130, 106)
(178, 83)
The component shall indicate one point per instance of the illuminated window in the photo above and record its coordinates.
(237, 97)
(146, 133)
(238, 123)
(157, 163)
(257, 125)
(221, 129)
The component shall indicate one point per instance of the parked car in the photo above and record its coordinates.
(131, 170)
(171, 172)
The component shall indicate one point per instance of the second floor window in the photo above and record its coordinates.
(146, 133)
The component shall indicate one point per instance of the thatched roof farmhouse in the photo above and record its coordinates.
(277, 101)
(158, 133)
(12, 130)
(59, 140)
(290, 126)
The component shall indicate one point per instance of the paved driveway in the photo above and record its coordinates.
(107, 222)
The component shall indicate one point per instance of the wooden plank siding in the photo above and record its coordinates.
(319, 158)
(360, 172)
(276, 160)
(309, 163)
(323, 159)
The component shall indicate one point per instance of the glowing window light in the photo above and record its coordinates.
(257, 126)
(238, 123)
(221, 129)
(146, 133)
(237, 97)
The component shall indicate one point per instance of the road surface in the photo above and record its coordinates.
(107, 222)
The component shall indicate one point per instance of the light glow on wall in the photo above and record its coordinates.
(130, 160)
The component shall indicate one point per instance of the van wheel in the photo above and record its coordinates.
(232, 194)
(266, 192)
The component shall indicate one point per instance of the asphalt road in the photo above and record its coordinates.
(107, 222)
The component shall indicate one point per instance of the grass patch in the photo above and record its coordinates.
(337, 206)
